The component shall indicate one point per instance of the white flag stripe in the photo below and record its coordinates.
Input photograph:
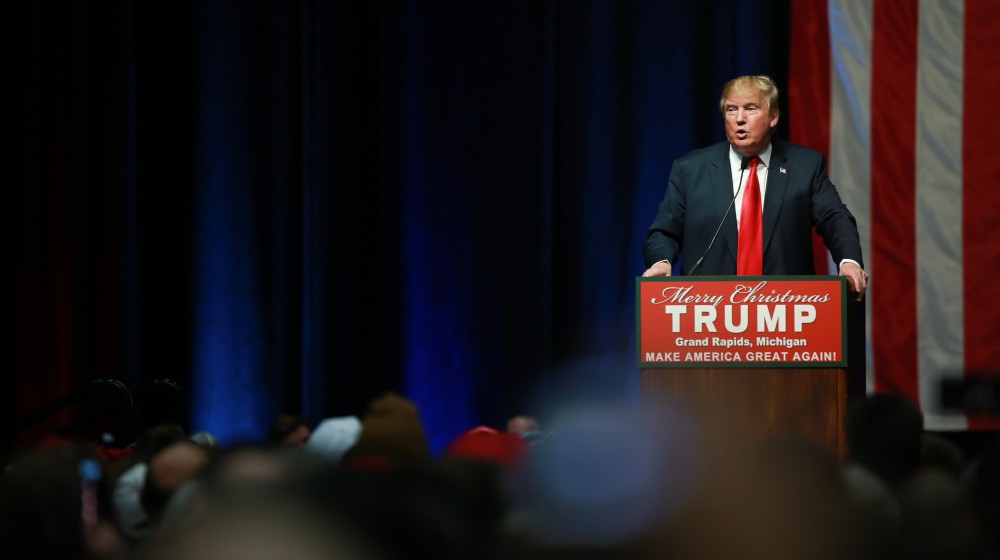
(850, 24)
(938, 217)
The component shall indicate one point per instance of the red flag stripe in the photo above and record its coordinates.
(809, 89)
(809, 76)
(981, 194)
(893, 260)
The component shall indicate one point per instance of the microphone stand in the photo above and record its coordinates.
(696, 269)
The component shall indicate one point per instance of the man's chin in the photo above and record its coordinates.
(745, 147)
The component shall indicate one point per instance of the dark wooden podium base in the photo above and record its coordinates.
(741, 408)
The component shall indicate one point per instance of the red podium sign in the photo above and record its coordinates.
(759, 321)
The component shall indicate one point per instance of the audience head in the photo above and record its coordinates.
(982, 488)
(167, 471)
(290, 430)
(206, 439)
(781, 501)
(939, 451)
(391, 435)
(877, 518)
(936, 518)
(256, 502)
(521, 425)
(129, 486)
(526, 427)
(154, 440)
(264, 532)
(606, 475)
(333, 437)
(488, 445)
(884, 435)
(54, 504)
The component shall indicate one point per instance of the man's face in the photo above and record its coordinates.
(748, 121)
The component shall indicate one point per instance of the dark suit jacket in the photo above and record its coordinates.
(700, 189)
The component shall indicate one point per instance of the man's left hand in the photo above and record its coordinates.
(857, 279)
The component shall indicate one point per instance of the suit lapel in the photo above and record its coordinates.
(777, 184)
(722, 185)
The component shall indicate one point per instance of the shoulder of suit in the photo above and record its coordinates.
(792, 150)
(715, 151)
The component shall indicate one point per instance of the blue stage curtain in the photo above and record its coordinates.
(322, 201)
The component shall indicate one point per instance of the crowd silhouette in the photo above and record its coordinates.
(600, 481)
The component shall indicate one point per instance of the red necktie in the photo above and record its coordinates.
(750, 251)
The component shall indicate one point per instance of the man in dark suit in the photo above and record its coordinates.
(795, 196)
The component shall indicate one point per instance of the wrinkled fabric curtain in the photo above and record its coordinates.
(295, 206)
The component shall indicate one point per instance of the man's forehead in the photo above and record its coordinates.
(745, 97)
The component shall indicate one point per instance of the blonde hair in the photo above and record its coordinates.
(761, 84)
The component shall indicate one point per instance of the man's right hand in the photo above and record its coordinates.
(659, 269)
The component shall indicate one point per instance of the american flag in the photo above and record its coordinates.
(900, 94)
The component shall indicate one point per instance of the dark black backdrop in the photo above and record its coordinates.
(294, 206)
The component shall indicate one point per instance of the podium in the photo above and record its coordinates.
(748, 358)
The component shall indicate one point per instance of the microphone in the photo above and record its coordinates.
(696, 269)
